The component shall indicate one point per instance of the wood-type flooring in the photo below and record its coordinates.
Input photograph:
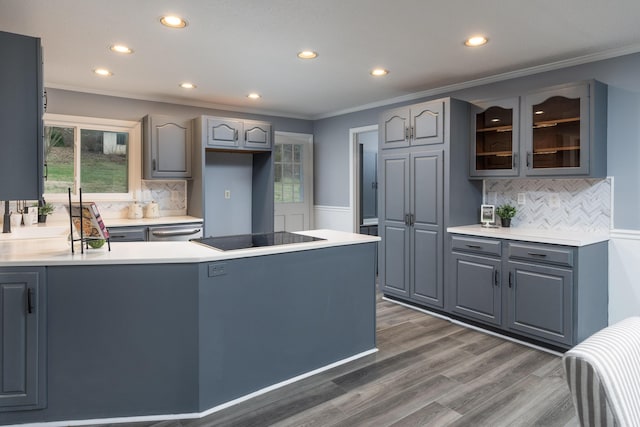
(427, 372)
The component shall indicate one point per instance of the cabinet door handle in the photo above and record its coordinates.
(235, 135)
(515, 160)
(510, 279)
(406, 133)
(412, 219)
(474, 246)
(528, 159)
(153, 164)
(412, 132)
(537, 254)
(29, 300)
(495, 277)
(406, 219)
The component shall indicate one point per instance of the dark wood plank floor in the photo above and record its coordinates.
(428, 372)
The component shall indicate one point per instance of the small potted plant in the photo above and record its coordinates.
(506, 212)
(43, 211)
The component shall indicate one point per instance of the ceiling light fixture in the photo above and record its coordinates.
(379, 72)
(496, 120)
(173, 21)
(103, 72)
(307, 54)
(120, 48)
(187, 85)
(254, 95)
(538, 112)
(476, 41)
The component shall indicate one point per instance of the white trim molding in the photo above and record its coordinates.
(333, 218)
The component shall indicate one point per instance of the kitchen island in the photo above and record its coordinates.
(166, 330)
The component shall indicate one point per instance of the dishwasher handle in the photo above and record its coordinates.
(172, 233)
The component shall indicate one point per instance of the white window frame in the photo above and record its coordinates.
(134, 152)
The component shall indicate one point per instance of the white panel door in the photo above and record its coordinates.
(293, 182)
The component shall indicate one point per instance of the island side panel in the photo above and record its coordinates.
(122, 341)
(267, 319)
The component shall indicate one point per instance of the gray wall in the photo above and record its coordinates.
(112, 107)
(331, 135)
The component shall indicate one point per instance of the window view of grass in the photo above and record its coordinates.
(103, 160)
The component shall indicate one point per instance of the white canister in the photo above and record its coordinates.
(135, 210)
(152, 211)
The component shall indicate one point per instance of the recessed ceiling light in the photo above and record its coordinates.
(103, 72)
(539, 112)
(173, 21)
(378, 72)
(187, 85)
(476, 41)
(307, 54)
(120, 48)
(496, 120)
(254, 95)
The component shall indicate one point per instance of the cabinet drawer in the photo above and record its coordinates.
(541, 253)
(475, 244)
(128, 234)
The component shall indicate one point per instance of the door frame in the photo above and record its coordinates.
(308, 197)
(354, 174)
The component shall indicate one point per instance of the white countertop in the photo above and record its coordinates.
(54, 251)
(558, 237)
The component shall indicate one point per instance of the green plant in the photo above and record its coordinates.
(45, 209)
(506, 211)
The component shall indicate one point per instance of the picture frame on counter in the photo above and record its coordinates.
(487, 215)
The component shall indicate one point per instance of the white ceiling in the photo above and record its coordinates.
(233, 47)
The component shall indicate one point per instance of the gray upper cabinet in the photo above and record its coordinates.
(22, 342)
(168, 147)
(559, 131)
(238, 134)
(495, 138)
(420, 124)
(419, 177)
(22, 159)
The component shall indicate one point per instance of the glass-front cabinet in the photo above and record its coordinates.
(495, 138)
(555, 132)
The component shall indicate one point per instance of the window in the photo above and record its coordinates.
(97, 155)
(289, 186)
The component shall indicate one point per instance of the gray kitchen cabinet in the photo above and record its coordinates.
(232, 187)
(495, 138)
(22, 105)
(237, 134)
(128, 234)
(476, 283)
(167, 147)
(415, 202)
(554, 132)
(419, 124)
(23, 339)
(553, 294)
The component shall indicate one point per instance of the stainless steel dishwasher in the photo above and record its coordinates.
(175, 232)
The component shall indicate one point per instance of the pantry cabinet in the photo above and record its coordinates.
(22, 105)
(23, 340)
(554, 132)
(167, 147)
(553, 294)
(423, 188)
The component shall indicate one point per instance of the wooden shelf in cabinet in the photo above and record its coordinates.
(554, 150)
(507, 128)
(495, 153)
(551, 123)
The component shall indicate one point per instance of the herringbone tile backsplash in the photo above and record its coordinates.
(568, 204)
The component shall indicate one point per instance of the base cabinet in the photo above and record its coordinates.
(550, 293)
(22, 343)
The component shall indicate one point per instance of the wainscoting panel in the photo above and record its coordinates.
(333, 217)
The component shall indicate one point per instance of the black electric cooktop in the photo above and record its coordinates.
(244, 241)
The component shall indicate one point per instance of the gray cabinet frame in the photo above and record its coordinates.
(237, 134)
(167, 147)
(22, 102)
(23, 359)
